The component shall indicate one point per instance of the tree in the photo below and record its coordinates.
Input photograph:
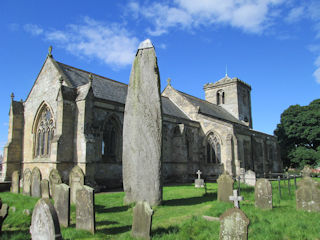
(299, 135)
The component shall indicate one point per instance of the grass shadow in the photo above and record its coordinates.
(103, 209)
(190, 201)
(115, 230)
(106, 222)
(17, 234)
(163, 231)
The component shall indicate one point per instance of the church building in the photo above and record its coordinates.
(74, 117)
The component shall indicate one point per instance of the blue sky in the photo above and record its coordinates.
(274, 45)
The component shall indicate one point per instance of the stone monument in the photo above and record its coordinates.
(76, 181)
(54, 178)
(62, 203)
(198, 183)
(3, 213)
(85, 213)
(142, 220)
(35, 182)
(308, 195)
(15, 181)
(225, 187)
(236, 199)
(45, 188)
(142, 130)
(263, 194)
(27, 182)
(250, 178)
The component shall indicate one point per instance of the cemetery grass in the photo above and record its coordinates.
(179, 217)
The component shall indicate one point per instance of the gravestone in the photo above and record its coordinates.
(142, 130)
(27, 182)
(308, 195)
(44, 221)
(263, 194)
(45, 188)
(225, 187)
(15, 182)
(62, 203)
(199, 182)
(85, 213)
(142, 220)
(3, 213)
(236, 199)
(76, 181)
(306, 171)
(54, 178)
(35, 182)
(250, 178)
(234, 225)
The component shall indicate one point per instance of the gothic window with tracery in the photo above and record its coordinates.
(213, 149)
(44, 133)
(110, 141)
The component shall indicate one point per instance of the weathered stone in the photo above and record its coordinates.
(44, 222)
(85, 209)
(263, 194)
(198, 183)
(308, 195)
(225, 187)
(142, 130)
(236, 199)
(54, 178)
(76, 181)
(3, 213)
(234, 225)
(27, 182)
(306, 171)
(250, 178)
(142, 220)
(45, 188)
(12, 209)
(26, 212)
(36, 183)
(62, 203)
(15, 180)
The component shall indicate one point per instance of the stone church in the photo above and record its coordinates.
(74, 117)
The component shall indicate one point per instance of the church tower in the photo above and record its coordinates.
(233, 95)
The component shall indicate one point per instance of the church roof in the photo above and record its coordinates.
(226, 80)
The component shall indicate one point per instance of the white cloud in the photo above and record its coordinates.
(295, 14)
(33, 29)
(316, 74)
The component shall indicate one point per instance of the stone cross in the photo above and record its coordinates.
(236, 199)
(199, 173)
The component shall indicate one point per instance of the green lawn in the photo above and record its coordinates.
(179, 217)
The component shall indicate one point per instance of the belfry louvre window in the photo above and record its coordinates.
(44, 133)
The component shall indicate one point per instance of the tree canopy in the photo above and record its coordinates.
(299, 135)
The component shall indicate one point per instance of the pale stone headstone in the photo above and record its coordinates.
(76, 181)
(142, 130)
(44, 222)
(263, 194)
(308, 195)
(198, 183)
(236, 199)
(54, 178)
(234, 225)
(36, 183)
(225, 187)
(306, 171)
(3, 213)
(27, 182)
(45, 188)
(15, 180)
(62, 203)
(85, 209)
(142, 220)
(250, 178)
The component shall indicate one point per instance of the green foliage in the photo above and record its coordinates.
(299, 135)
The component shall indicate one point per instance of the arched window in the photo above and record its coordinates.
(213, 149)
(110, 141)
(220, 97)
(44, 132)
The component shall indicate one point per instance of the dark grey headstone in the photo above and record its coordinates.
(3, 213)
(15, 181)
(234, 225)
(85, 209)
(54, 178)
(76, 181)
(44, 222)
(36, 183)
(225, 187)
(263, 194)
(45, 188)
(142, 220)
(142, 130)
(27, 182)
(62, 203)
(308, 195)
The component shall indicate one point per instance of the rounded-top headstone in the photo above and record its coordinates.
(27, 182)
(54, 178)
(36, 182)
(15, 182)
(263, 194)
(225, 187)
(76, 181)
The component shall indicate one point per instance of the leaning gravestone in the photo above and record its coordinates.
(234, 225)
(225, 187)
(15, 181)
(62, 203)
(54, 178)
(36, 183)
(143, 117)
(142, 220)
(85, 213)
(45, 188)
(44, 222)
(250, 178)
(76, 181)
(27, 182)
(308, 195)
(263, 194)
(3, 213)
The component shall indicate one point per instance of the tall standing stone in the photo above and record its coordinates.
(36, 183)
(142, 130)
(308, 195)
(3, 213)
(15, 182)
(76, 181)
(142, 220)
(54, 178)
(234, 225)
(85, 209)
(27, 182)
(62, 203)
(225, 187)
(263, 194)
(250, 178)
(45, 188)
(44, 222)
